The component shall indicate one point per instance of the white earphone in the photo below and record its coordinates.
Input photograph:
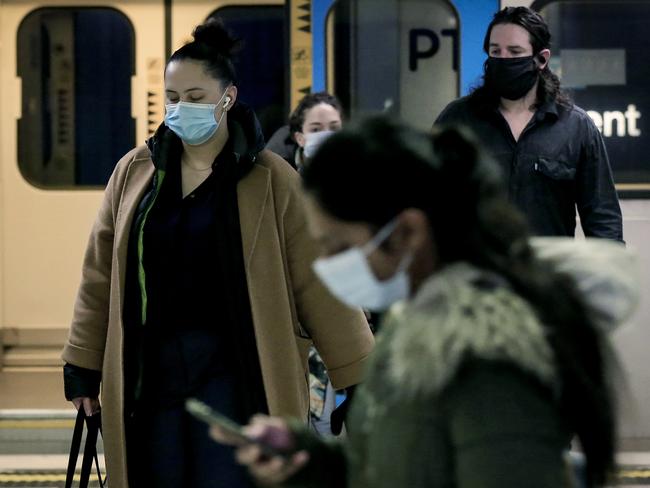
(226, 101)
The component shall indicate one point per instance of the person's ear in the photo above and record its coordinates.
(412, 232)
(542, 58)
(300, 138)
(231, 97)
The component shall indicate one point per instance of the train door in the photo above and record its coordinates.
(80, 84)
(401, 56)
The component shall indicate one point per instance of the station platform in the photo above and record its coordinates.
(34, 446)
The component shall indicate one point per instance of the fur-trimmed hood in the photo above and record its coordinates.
(463, 312)
(605, 272)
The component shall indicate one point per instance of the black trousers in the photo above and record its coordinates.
(168, 448)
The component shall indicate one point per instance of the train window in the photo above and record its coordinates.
(396, 55)
(261, 65)
(599, 51)
(75, 65)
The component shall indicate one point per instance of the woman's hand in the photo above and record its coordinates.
(91, 405)
(275, 434)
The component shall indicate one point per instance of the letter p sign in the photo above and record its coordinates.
(432, 41)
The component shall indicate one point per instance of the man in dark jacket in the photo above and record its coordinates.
(552, 157)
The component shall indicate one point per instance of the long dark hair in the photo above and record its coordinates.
(372, 173)
(213, 46)
(548, 88)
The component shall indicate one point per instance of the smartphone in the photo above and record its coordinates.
(210, 416)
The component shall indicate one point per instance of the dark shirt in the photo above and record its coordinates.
(186, 342)
(559, 163)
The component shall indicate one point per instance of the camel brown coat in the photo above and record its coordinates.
(290, 308)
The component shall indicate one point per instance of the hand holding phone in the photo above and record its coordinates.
(268, 471)
(230, 432)
(267, 464)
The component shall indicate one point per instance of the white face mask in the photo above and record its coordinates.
(314, 140)
(349, 278)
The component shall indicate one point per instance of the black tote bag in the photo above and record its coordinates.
(94, 424)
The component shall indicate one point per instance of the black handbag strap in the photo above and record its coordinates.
(74, 447)
(94, 424)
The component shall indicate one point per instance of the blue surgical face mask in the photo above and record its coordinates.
(349, 278)
(194, 123)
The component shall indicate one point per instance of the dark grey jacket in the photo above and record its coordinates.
(559, 163)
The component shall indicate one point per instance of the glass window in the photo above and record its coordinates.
(261, 65)
(76, 66)
(397, 55)
(600, 53)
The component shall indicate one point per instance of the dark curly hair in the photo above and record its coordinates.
(548, 89)
(297, 117)
(214, 47)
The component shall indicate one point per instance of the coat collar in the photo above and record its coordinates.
(253, 193)
(136, 183)
(463, 312)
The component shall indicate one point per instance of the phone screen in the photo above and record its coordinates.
(210, 416)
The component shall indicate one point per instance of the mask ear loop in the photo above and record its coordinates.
(226, 97)
(223, 107)
(383, 234)
(223, 112)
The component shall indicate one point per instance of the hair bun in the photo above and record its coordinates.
(213, 34)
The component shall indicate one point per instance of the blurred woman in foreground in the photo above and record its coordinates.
(492, 364)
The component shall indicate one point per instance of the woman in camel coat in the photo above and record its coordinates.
(266, 307)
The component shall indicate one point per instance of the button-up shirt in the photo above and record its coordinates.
(558, 164)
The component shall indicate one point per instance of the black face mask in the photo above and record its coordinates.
(511, 78)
